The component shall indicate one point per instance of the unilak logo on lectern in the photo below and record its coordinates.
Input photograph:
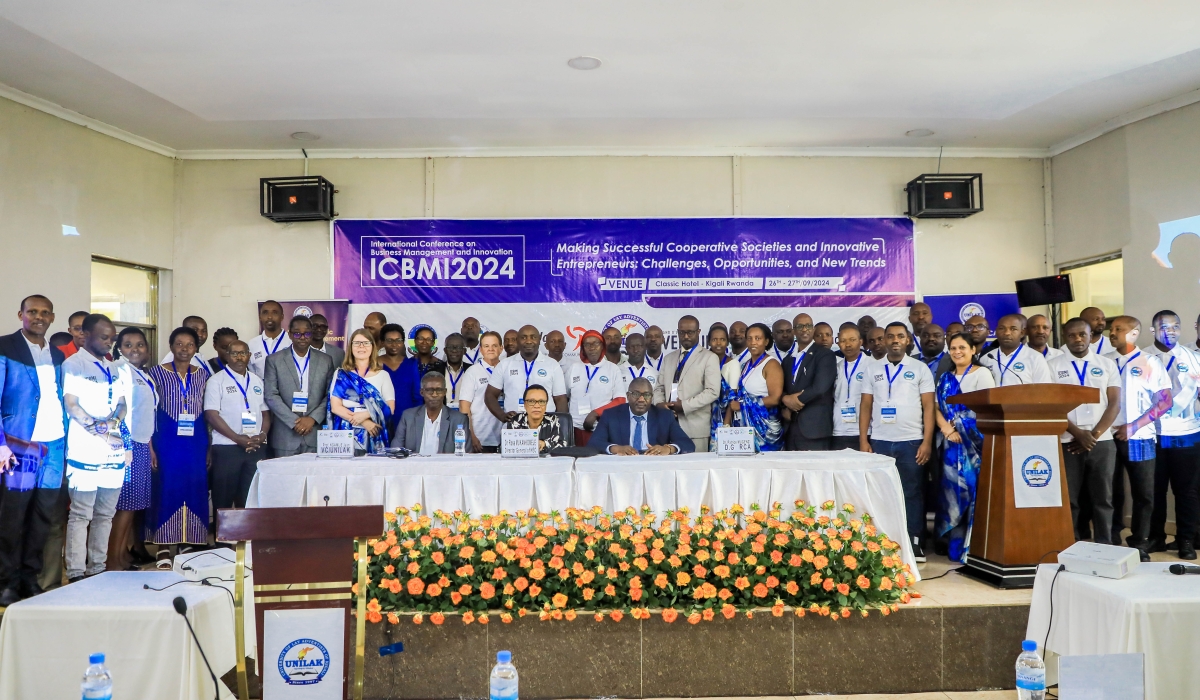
(1036, 471)
(303, 662)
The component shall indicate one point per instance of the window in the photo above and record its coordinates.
(127, 294)
(1099, 283)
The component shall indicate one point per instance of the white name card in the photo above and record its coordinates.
(518, 443)
(735, 441)
(335, 443)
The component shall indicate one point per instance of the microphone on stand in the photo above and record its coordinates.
(1181, 569)
(181, 608)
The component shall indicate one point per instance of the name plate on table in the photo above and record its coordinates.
(735, 441)
(335, 443)
(518, 443)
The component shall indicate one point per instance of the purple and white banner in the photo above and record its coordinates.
(577, 274)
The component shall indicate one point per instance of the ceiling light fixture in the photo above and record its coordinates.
(919, 133)
(305, 136)
(584, 63)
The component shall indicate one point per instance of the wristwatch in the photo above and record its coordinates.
(101, 427)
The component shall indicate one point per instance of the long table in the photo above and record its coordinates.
(1150, 611)
(489, 483)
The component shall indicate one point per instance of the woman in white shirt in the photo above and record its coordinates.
(135, 492)
(593, 382)
(361, 397)
(485, 428)
(963, 449)
(757, 401)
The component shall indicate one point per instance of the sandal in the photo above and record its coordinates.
(164, 560)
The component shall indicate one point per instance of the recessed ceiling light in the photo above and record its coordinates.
(305, 136)
(584, 63)
(919, 133)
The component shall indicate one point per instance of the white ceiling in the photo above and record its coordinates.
(474, 74)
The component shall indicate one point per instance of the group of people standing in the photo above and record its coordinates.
(103, 449)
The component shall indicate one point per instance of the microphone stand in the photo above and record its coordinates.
(181, 608)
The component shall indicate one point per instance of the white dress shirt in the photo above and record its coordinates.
(48, 425)
(431, 433)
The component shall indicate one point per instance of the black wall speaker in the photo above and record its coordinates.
(285, 199)
(945, 196)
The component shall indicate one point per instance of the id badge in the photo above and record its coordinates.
(582, 408)
(849, 414)
(187, 425)
(1085, 416)
(888, 414)
(299, 402)
(674, 391)
(249, 424)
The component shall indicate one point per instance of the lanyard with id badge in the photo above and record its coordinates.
(1084, 413)
(186, 426)
(887, 412)
(584, 405)
(249, 420)
(299, 398)
(848, 410)
(528, 371)
(679, 372)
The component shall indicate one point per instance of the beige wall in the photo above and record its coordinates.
(224, 243)
(52, 173)
(1110, 194)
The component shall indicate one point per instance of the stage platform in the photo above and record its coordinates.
(961, 635)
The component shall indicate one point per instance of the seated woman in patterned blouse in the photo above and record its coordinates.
(550, 434)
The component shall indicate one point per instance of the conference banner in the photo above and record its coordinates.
(579, 274)
(335, 311)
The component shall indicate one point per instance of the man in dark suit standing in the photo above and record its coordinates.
(32, 441)
(297, 387)
(640, 427)
(808, 378)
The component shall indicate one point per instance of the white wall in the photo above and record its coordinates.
(52, 173)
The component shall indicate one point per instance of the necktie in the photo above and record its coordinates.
(637, 432)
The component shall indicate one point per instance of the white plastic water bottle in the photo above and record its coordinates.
(1031, 673)
(97, 681)
(460, 441)
(504, 677)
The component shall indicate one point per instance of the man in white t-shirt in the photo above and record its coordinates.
(1038, 331)
(1089, 455)
(235, 408)
(485, 428)
(635, 364)
(517, 373)
(1177, 462)
(896, 412)
(852, 368)
(97, 396)
(592, 382)
(655, 340)
(271, 340)
(1011, 361)
(1145, 397)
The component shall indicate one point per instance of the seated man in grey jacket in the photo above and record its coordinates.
(428, 429)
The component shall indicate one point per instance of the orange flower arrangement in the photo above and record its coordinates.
(586, 562)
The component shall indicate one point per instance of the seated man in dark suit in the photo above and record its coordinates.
(428, 429)
(639, 427)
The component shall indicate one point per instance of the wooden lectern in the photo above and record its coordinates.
(1007, 542)
(303, 558)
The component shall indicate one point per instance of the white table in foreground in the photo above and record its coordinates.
(45, 641)
(868, 481)
(474, 483)
(217, 566)
(1149, 611)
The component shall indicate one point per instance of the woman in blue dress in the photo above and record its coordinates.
(178, 513)
(362, 398)
(718, 344)
(756, 402)
(964, 442)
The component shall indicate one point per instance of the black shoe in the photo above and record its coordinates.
(9, 597)
(1173, 545)
(1156, 544)
(1145, 556)
(918, 552)
(941, 548)
(75, 579)
(1187, 550)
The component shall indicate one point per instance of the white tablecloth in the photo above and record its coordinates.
(217, 565)
(45, 641)
(1149, 611)
(868, 481)
(475, 483)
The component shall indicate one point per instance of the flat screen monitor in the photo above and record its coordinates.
(1045, 290)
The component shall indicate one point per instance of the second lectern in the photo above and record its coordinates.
(1022, 510)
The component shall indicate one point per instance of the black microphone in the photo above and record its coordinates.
(1181, 569)
(181, 608)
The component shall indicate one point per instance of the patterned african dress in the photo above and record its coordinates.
(768, 429)
(178, 512)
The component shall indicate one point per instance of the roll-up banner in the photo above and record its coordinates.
(579, 274)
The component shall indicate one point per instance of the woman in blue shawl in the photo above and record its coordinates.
(756, 400)
(718, 344)
(962, 450)
(362, 398)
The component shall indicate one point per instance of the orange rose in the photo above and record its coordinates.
(616, 615)
(468, 617)
(466, 552)
(415, 586)
(820, 561)
(699, 571)
(487, 591)
(863, 582)
(806, 555)
(558, 600)
(413, 568)
(777, 610)
(465, 589)
(708, 614)
(374, 618)
(389, 569)
(732, 558)
(438, 558)
(682, 579)
(725, 594)
(506, 617)
(694, 618)
(569, 615)
(418, 618)
(499, 574)
(535, 590)
(850, 562)
(610, 590)
(670, 614)
(845, 612)
(537, 574)
(433, 590)
(728, 611)
(772, 582)
(373, 605)
(742, 583)
(598, 617)
(635, 594)
(589, 593)
(760, 591)
(828, 584)
(488, 556)
(721, 571)
(521, 584)
(660, 581)
(792, 587)
(437, 618)
(393, 618)
(843, 588)
(776, 556)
